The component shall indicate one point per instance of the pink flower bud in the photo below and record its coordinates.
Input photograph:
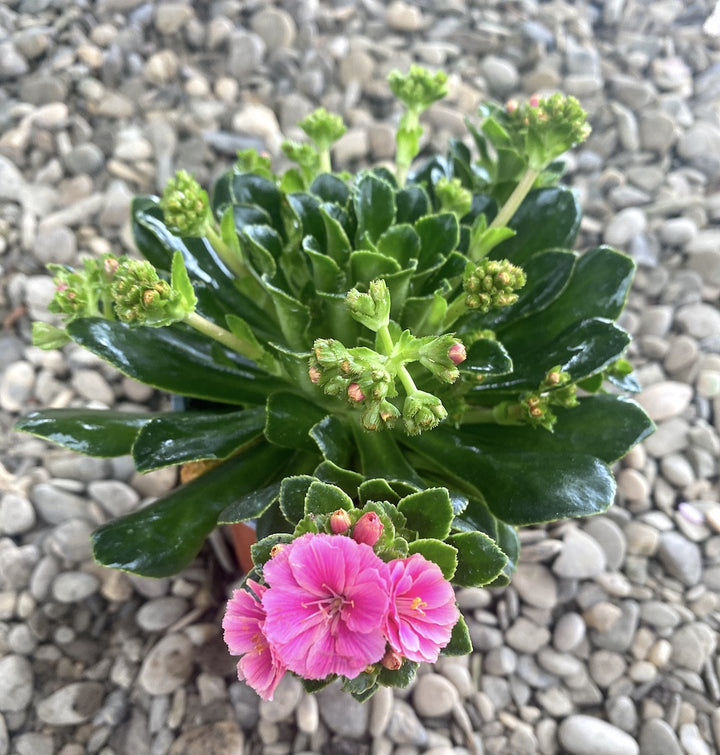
(534, 101)
(457, 353)
(355, 393)
(339, 522)
(368, 529)
(392, 660)
(314, 374)
(511, 106)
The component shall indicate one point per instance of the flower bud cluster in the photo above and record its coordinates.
(419, 88)
(492, 284)
(453, 196)
(140, 297)
(185, 206)
(422, 411)
(557, 389)
(441, 355)
(371, 309)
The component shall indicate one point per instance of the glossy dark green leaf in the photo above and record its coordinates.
(412, 203)
(367, 266)
(250, 506)
(315, 685)
(95, 432)
(376, 490)
(162, 538)
(547, 219)
(293, 316)
(479, 559)
(272, 522)
(424, 314)
(307, 208)
(249, 188)
(401, 678)
(175, 359)
(180, 437)
(322, 498)
(290, 417)
(333, 439)
(330, 189)
(442, 554)
(509, 543)
(345, 479)
(327, 276)
(380, 456)
(606, 426)
(262, 247)
(248, 214)
(439, 235)
(520, 487)
(337, 243)
(361, 687)
(292, 496)
(487, 357)
(401, 243)
(374, 202)
(428, 512)
(460, 642)
(260, 551)
(334, 320)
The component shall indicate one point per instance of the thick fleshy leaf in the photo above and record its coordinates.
(487, 357)
(606, 426)
(180, 437)
(509, 543)
(439, 235)
(322, 498)
(374, 201)
(250, 506)
(442, 554)
(175, 359)
(293, 316)
(162, 538)
(95, 432)
(376, 490)
(333, 439)
(249, 188)
(523, 487)
(327, 275)
(429, 512)
(547, 219)
(460, 642)
(330, 189)
(367, 266)
(479, 559)
(400, 242)
(292, 496)
(412, 204)
(380, 456)
(400, 678)
(260, 551)
(345, 479)
(290, 417)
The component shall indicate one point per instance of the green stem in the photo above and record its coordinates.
(504, 413)
(515, 199)
(386, 341)
(325, 166)
(407, 382)
(225, 337)
(455, 310)
(407, 141)
(226, 253)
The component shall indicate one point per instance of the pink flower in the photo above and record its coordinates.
(243, 625)
(422, 609)
(368, 529)
(326, 606)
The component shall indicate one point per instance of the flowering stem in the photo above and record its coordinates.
(225, 337)
(503, 414)
(456, 308)
(515, 199)
(226, 254)
(407, 382)
(386, 341)
(324, 166)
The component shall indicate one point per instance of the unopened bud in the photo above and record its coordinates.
(457, 353)
(368, 529)
(339, 522)
(355, 393)
(534, 101)
(392, 660)
(314, 374)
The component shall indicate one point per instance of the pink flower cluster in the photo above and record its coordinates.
(332, 606)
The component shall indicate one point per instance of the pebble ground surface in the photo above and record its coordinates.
(605, 644)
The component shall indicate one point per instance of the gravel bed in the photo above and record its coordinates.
(605, 644)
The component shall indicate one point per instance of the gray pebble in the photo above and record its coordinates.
(74, 586)
(55, 505)
(610, 538)
(669, 436)
(692, 645)
(16, 385)
(16, 683)
(586, 735)
(569, 632)
(31, 743)
(405, 727)
(275, 27)
(665, 399)
(581, 556)
(219, 736)
(16, 514)
(170, 17)
(627, 224)
(71, 540)
(117, 498)
(680, 557)
(382, 707)
(167, 666)
(85, 158)
(245, 53)
(56, 244)
(161, 613)
(535, 585)
(341, 713)
(700, 146)
(16, 564)
(92, 386)
(433, 695)
(307, 714)
(621, 634)
(526, 636)
(502, 76)
(657, 736)
(623, 713)
(12, 64)
(606, 667)
(72, 704)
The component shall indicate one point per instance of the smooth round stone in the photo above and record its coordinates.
(34, 744)
(433, 695)
(167, 666)
(71, 540)
(217, 737)
(569, 632)
(161, 613)
(622, 713)
(307, 714)
(402, 16)
(581, 557)
(114, 496)
(500, 661)
(16, 384)
(56, 244)
(606, 666)
(678, 231)
(72, 704)
(526, 636)
(677, 470)
(642, 539)
(16, 683)
(586, 735)
(627, 224)
(85, 158)
(501, 75)
(699, 320)
(17, 514)
(405, 727)
(665, 399)
(536, 585)
(692, 645)
(657, 736)
(92, 386)
(632, 485)
(681, 558)
(382, 707)
(610, 538)
(340, 713)
(275, 26)
(692, 741)
(74, 586)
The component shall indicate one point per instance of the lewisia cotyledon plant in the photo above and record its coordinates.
(406, 363)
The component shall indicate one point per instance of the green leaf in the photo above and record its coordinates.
(345, 479)
(175, 359)
(315, 685)
(293, 316)
(290, 417)
(439, 235)
(487, 357)
(367, 266)
(164, 537)
(292, 496)
(180, 282)
(428, 512)
(95, 432)
(424, 314)
(460, 642)
(509, 543)
(401, 678)
(333, 439)
(380, 456)
(46, 336)
(412, 204)
(479, 559)
(401, 243)
(330, 189)
(374, 202)
(327, 276)
(547, 219)
(260, 551)
(238, 327)
(376, 490)
(250, 506)
(180, 437)
(249, 188)
(519, 486)
(322, 498)
(442, 554)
